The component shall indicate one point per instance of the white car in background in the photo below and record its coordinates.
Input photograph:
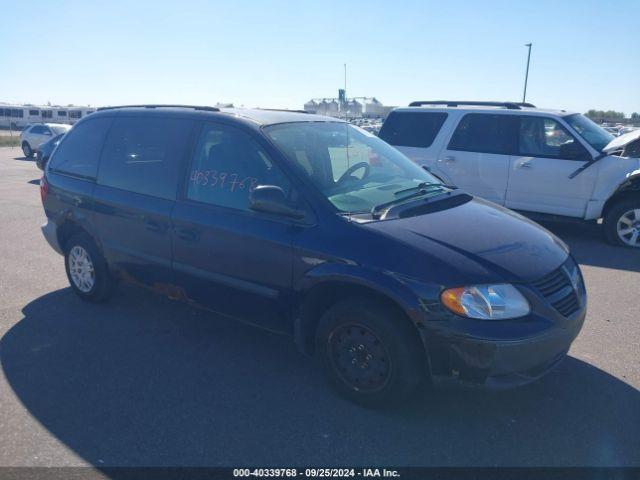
(38, 133)
(551, 164)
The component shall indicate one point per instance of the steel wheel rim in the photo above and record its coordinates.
(628, 227)
(81, 269)
(359, 358)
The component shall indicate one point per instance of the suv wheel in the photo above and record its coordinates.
(622, 223)
(370, 354)
(27, 150)
(87, 270)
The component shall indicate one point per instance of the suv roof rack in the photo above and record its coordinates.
(195, 107)
(455, 103)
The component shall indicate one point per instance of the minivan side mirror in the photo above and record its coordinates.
(271, 199)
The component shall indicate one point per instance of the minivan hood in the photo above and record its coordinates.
(479, 236)
(622, 141)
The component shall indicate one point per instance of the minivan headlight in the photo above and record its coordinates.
(486, 302)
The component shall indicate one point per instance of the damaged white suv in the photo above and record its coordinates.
(546, 163)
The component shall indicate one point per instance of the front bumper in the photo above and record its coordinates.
(462, 360)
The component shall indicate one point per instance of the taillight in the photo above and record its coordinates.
(44, 188)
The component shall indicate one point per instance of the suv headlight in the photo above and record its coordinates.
(486, 302)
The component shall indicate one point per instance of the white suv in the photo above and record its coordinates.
(36, 134)
(548, 163)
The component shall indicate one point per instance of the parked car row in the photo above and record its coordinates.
(35, 135)
(312, 227)
(551, 164)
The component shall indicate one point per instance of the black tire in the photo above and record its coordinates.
(392, 363)
(27, 150)
(615, 215)
(103, 282)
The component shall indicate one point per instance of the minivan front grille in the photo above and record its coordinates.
(561, 288)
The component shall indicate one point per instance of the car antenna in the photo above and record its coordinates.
(346, 124)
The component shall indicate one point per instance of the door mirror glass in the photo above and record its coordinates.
(272, 199)
(574, 151)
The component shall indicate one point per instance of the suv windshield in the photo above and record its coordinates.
(58, 129)
(354, 170)
(593, 134)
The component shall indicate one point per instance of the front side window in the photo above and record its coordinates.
(79, 153)
(412, 129)
(228, 164)
(593, 134)
(353, 169)
(143, 155)
(545, 137)
(485, 133)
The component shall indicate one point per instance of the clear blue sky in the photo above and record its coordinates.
(281, 53)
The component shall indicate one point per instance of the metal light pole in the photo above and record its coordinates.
(526, 76)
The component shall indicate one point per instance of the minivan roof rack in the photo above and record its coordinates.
(284, 110)
(195, 107)
(455, 103)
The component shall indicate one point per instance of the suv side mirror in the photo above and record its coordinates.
(271, 199)
(574, 151)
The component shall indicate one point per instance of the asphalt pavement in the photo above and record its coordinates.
(146, 381)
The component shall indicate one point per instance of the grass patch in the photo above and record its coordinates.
(6, 141)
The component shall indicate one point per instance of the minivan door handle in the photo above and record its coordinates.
(153, 226)
(186, 234)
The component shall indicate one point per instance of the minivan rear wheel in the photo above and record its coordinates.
(370, 354)
(87, 270)
(622, 223)
(27, 150)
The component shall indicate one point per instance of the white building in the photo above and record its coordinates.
(369, 107)
(19, 116)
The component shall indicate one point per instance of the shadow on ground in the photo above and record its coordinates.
(146, 381)
(589, 247)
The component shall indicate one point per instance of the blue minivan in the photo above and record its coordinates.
(307, 225)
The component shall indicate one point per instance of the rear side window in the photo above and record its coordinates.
(228, 164)
(486, 133)
(144, 155)
(412, 129)
(37, 129)
(79, 152)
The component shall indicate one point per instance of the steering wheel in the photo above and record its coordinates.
(352, 169)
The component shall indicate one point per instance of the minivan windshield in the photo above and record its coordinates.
(354, 169)
(592, 133)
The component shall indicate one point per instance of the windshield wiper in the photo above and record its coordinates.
(376, 211)
(595, 159)
(421, 186)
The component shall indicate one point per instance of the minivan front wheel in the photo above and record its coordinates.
(370, 353)
(622, 223)
(87, 270)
